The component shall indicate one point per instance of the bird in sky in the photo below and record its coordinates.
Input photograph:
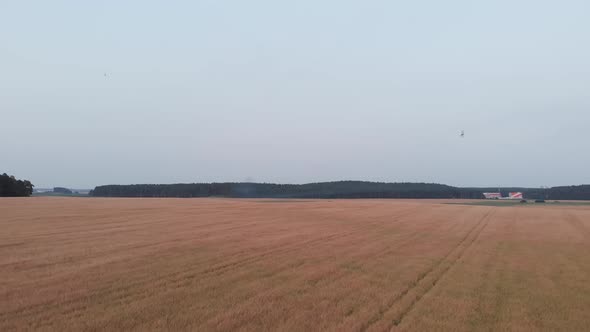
(462, 134)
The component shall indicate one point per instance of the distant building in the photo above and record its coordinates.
(512, 195)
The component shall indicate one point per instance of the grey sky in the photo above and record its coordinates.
(292, 92)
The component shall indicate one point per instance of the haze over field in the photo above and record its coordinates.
(149, 92)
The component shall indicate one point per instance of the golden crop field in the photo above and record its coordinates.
(294, 265)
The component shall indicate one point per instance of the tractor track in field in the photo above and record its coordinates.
(452, 263)
(578, 225)
(426, 280)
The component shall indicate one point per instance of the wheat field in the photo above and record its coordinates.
(291, 265)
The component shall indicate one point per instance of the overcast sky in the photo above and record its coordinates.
(294, 92)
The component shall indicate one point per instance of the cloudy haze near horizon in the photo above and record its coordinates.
(112, 92)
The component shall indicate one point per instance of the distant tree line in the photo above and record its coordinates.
(11, 187)
(340, 189)
(566, 193)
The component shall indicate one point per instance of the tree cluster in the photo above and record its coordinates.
(11, 187)
(62, 190)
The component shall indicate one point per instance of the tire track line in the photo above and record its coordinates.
(577, 225)
(444, 271)
(391, 305)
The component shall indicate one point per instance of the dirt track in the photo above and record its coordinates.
(220, 264)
